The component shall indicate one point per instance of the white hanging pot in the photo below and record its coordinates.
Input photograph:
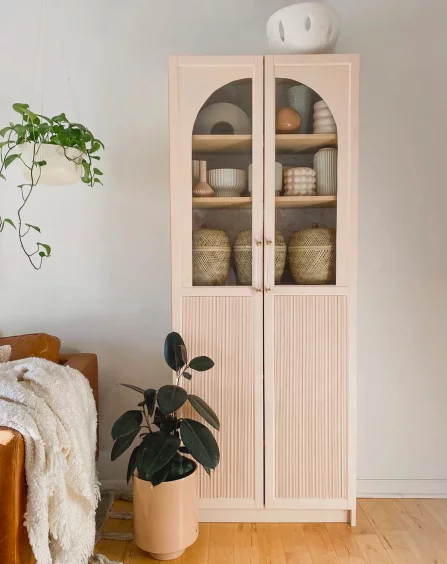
(59, 170)
(308, 27)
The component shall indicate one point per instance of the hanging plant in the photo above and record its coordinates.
(51, 151)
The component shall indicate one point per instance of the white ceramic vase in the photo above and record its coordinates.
(227, 182)
(309, 27)
(325, 165)
(59, 170)
(300, 98)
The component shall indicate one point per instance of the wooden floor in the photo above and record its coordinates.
(389, 531)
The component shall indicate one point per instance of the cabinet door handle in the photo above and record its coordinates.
(268, 241)
(268, 290)
(259, 290)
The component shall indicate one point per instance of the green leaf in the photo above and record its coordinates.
(156, 450)
(97, 171)
(168, 424)
(132, 387)
(201, 363)
(97, 181)
(150, 397)
(170, 398)
(20, 107)
(3, 143)
(181, 467)
(42, 254)
(204, 410)
(10, 222)
(160, 476)
(46, 247)
(173, 353)
(200, 442)
(122, 444)
(187, 375)
(60, 118)
(207, 470)
(10, 159)
(132, 463)
(40, 163)
(127, 424)
(2, 176)
(95, 147)
(4, 131)
(33, 227)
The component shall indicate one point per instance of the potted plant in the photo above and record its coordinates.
(51, 151)
(164, 464)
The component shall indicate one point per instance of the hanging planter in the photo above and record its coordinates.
(64, 164)
(51, 151)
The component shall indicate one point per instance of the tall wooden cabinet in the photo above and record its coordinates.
(284, 381)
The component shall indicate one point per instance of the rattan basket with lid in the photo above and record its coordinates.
(312, 255)
(243, 256)
(211, 253)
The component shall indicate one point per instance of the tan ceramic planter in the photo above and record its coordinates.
(165, 517)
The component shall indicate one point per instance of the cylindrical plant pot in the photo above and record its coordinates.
(59, 170)
(301, 98)
(166, 516)
(325, 165)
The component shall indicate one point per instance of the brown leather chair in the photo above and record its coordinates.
(14, 545)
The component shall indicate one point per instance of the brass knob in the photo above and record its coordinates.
(258, 290)
(268, 290)
(259, 243)
(268, 242)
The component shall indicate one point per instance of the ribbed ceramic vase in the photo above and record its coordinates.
(325, 165)
(300, 98)
(166, 516)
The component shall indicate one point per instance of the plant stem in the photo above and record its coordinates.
(146, 416)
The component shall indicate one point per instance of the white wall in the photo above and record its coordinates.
(106, 289)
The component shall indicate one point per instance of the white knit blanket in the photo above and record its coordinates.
(53, 408)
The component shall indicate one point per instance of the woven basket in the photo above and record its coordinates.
(243, 256)
(211, 253)
(312, 256)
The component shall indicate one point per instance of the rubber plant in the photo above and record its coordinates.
(37, 131)
(169, 440)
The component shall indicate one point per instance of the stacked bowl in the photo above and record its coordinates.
(324, 121)
(227, 182)
(300, 181)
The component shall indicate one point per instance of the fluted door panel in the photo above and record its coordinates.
(310, 383)
(222, 328)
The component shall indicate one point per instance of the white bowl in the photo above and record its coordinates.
(231, 118)
(278, 178)
(227, 182)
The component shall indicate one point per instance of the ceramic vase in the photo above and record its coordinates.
(325, 165)
(166, 516)
(308, 27)
(300, 98)
(202, 189)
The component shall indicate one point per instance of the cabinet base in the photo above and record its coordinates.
(275, 516)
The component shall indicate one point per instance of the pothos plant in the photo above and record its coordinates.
(39, 130)
(168, 439)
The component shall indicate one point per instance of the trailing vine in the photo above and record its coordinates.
(39, 130)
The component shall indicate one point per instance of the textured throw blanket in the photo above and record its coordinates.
(53, 408)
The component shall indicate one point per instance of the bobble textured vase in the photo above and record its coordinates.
(325, 165)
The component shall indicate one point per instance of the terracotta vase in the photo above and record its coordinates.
(166, 516)
(202, 189)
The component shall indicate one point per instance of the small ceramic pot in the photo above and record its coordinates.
(166, 516)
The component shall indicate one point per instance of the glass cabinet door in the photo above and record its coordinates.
(307, 155)
(219, 198)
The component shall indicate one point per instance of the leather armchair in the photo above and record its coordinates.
(14, 545)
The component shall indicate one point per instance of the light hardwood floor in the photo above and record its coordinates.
(388, 531)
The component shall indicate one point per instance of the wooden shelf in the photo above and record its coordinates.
(304, 143)
(214, 203)
(306, 201)
(221, 143)
(287, 143)
(243, 203)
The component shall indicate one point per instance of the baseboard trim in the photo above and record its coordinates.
(365, 488)
(402, 488)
